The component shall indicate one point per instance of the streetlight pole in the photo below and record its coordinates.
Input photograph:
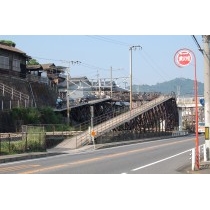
(131, 48)
(197, 159)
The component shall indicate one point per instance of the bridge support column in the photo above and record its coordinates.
(180, 118)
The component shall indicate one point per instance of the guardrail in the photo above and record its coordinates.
(202, 155)
(179, 133)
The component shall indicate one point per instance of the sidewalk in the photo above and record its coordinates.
(204, 168)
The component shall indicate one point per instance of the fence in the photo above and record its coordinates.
(10, 104)
(37, 137)
(13, 98)
(32, 139)
(12, 92)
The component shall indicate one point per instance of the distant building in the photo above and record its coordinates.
(79, 87)
(46, 72)
(12, 60)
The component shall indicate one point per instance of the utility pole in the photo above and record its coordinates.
(67, 88)
(111, 84)
(99, 84)
(67, 95)
(131, 92)
(206, 54)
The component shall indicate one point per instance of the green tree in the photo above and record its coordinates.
(28, 116)
(48, 116)
(32, 62)
(8, 43)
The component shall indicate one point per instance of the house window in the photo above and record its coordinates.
(4, 62)
(16, 65)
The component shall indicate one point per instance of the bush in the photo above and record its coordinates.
(48, 116)
(8, 43)
(44, 115)
(27, 115)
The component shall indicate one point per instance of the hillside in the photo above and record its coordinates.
(181, 85)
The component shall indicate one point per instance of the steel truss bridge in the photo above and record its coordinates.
(113, 121)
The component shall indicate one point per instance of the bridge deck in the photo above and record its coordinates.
(83, 104)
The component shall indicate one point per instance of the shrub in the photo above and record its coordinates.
(8, 43)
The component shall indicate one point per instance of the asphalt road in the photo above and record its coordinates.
(168, 156)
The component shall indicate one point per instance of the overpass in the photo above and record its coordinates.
(186, 109)
(159, 114)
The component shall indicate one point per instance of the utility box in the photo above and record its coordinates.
(206, 133)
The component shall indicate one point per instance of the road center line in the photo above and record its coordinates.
(136, 169)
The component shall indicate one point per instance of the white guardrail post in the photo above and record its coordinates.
(193, 159)
(204, 152)
(202, 149)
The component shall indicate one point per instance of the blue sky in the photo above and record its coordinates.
(152, 64)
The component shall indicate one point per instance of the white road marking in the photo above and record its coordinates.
(160, 160)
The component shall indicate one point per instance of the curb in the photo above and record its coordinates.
(24, 156)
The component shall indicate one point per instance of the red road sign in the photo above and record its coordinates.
(182, 57)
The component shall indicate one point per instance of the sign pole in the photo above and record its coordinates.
(182, 58)
(91, 126)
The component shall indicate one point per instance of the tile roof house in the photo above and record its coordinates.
(50, 71)
(12, 60)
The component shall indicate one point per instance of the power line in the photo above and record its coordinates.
(105, 39)
(196, 42)
(199, 48)
(49, 59)
(74, 62)
(93, 67)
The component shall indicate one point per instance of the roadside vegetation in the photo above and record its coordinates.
(32, 141)
(36, 121)
(44, 115)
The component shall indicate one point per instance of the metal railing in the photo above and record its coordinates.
(12, 92)
(10, 104)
